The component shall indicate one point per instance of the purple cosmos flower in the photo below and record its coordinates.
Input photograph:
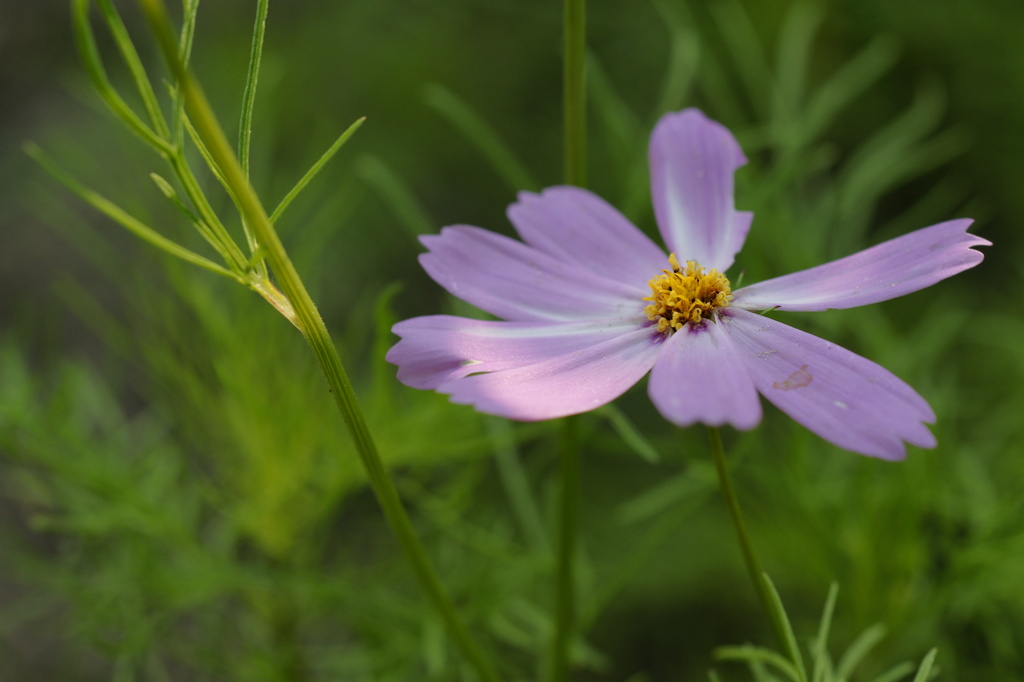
(589, 305)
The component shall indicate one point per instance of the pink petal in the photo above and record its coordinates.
(890, 269)
(517, 282)
(437, 348)
(842, 397)
(577, 226)
(699, 378)
(693, 160)
(577, 381)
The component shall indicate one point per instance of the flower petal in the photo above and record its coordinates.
(693, 160)
(890, 269)
(438, 348)
(579, 227)
(517, 282)
(699, 377)
(574, 382)
(842, 397)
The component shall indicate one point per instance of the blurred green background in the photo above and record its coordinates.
(178, 499)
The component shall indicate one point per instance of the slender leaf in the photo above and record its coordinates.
(629, 434)
(926, 666)
(312, 172)
(135, 67)
(476, 129)
(251, 79)
(89, 53)
(822, 665)
(397, 195)
(749, 654)
(778, 613)
(858, 649)
(895, 673)
(132, 224)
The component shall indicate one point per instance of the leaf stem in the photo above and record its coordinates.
(313, 328)
(762, 584)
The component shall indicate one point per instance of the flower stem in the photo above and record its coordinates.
(574, 101)
(568, 532)
(574, 92)
(762, 584)
(315, 331)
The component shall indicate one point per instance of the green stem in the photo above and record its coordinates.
(249, 95)
(574, 101)
(565, 569)
(315, 331)
(574, 92)
(762, 585)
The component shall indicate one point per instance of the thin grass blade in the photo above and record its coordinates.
(397, 195)
(135, 67)
(132, 224)
(750, 654)
(821, 661)
(312, 172)
(90, 55)
(926, 666)
(481, 135)
(858, 650)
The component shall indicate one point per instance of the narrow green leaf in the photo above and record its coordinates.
(848, 83)
(208, 158)
(135, 67)
(626, 137)
(473, 126)
(89, 53)
(684, 58)
(749, 654)
(164, 186)
(821, 662)
(200, 226)
(516, 482)
(745, 44)
(312, 172)
(926, 666)
(188, 29)
(629, 434)
(778, 614)
(858, 650)
(794, 57)
(636, 557)
(396, 194)
(132, 224)
(251, 78)
(895, 673)
(696, 481)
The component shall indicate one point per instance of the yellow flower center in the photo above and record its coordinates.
(685, 295)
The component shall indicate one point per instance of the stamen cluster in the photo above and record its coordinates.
(685, 294)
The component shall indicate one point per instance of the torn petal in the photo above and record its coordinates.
(844, 398)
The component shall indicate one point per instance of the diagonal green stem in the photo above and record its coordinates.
(762, 585)
(315, 331)
(573, 85)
